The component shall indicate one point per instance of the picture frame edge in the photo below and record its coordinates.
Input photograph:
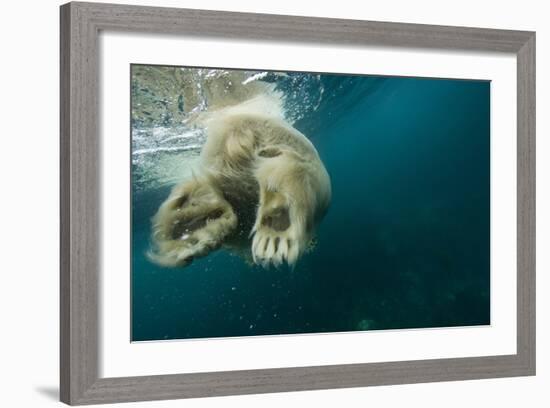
(526, 203)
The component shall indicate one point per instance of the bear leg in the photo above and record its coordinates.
(287, 205)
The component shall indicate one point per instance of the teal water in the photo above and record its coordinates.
(405, 243)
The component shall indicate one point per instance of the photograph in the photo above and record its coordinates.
(284, 203)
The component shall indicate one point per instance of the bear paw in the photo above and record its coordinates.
(276, 238)
(194, 221)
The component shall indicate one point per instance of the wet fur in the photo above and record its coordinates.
(260, 190)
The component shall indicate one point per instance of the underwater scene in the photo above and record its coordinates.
(268, 203)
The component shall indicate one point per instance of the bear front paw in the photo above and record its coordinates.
(191, 223)
(277, 239)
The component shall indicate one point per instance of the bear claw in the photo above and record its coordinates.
(268, 248)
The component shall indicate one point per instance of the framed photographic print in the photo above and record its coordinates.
(259, 203)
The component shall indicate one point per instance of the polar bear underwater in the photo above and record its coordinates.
(260, 188)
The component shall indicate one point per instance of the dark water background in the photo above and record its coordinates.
(405, 243)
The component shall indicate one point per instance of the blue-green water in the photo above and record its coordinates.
(405, 243)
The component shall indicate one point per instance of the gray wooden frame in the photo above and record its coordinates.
(80, 234)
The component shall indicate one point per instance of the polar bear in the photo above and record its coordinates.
(260, 189)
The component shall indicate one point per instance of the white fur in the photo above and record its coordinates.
(254, 164)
